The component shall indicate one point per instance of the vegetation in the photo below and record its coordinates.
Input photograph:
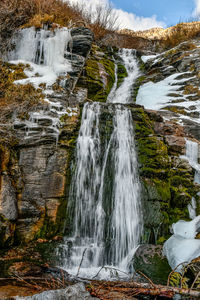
(180, 33)
(18, 13)
(15, 99)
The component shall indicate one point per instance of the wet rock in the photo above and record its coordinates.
(176, 144)
(169, 128)
(149, 260)
(82, 39)
(74, 292)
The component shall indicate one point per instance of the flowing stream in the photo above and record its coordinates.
(104, 200)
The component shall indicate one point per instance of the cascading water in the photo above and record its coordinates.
(105, 189)
(192, 155)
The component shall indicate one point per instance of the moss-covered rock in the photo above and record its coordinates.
(121, 74)
(98, 75)
(149, 260)
(167, 182)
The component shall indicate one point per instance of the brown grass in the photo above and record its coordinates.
(19, 13)
(16, 99)
(180, 33)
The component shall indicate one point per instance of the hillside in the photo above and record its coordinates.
(99, 155)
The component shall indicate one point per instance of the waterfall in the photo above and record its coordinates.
(105, 188)
(192, 155)
(43, 47)
(43, 53)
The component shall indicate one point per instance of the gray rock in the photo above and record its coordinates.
(82, 39)
(74, 292)
(8, 200)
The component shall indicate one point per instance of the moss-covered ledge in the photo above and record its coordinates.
(167, 180)
(98, 75)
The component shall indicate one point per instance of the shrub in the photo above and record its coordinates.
(19, 13)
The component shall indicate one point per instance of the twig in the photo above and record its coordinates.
(185, 270)
(81, 262)
(195, 280)
(98, 272)
(147, 278)
(110, 268)
(32, 285)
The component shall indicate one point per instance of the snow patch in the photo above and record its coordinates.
(155, 95)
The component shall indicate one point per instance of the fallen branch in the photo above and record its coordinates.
(101, 289)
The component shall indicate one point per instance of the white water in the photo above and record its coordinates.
(105, 187)
(192, 155)
(43, 53)
(123, 94)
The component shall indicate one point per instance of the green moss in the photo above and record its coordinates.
(165, 186)
(139, 81)
(98, 75)
(121, 74)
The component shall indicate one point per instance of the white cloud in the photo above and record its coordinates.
(197, 9)
(131, 21)
(125, 19)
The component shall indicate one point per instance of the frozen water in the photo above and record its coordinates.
(180, 250)
(187, 230)
(182, 247)
(43, 53)
(155, 95)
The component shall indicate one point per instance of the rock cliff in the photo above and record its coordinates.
(38, 140)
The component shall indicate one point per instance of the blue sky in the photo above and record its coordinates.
(167, 11)
(146, 14)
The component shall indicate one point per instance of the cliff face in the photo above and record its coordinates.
(39, 136)
(35, 171)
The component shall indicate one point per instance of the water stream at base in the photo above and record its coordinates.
(104, 201)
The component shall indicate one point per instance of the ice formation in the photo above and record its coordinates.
(182, 247)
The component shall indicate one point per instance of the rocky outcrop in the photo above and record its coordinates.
(35, 177)
(99, 74)
(167, 180)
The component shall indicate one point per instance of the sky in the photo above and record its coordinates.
(146, 14)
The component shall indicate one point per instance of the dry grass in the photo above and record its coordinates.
(19, 13)
(180, 33)
(15, 99)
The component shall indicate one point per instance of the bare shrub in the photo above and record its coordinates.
(101, 19)
(13, 14)
(18, 13)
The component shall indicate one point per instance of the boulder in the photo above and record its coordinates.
(82, 39)
(74, 292)
(149, 260)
